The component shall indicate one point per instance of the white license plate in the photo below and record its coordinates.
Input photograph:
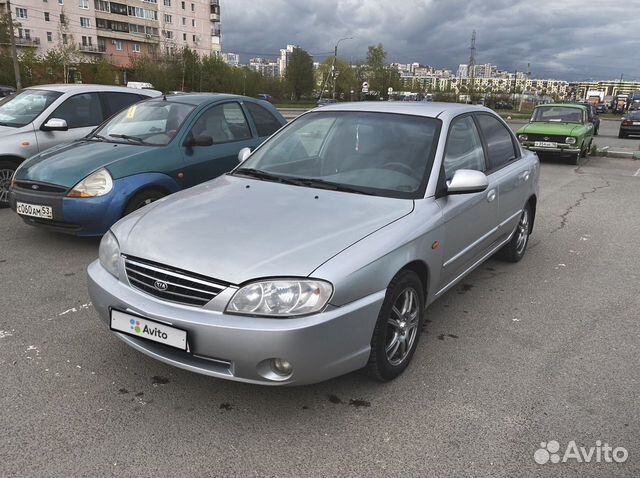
(34, 210)
(148, 329)
(546, 144)
(636, 123)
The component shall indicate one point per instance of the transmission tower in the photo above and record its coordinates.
(472, 63)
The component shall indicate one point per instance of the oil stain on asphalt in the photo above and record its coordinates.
(354, 402)
(157, 380)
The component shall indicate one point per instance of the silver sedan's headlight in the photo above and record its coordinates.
(96, 184)
(109, 253)
(281, 297)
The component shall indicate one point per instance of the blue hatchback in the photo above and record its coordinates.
(152, 149)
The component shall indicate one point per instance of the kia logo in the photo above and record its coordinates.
(160, 285)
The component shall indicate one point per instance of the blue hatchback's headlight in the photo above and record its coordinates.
(96, 184)
(281, 297)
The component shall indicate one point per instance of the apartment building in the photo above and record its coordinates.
(117, 31)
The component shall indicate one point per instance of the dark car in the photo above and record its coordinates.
(325, 101)
(264, 97)
(6, 91)
(630, 124)
(593, 118)
(602, 108)
(503, 105)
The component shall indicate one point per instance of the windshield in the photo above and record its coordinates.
(23, 108)
(371, 153)
(557, 114)
(152, 123)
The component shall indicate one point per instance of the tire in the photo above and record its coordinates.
(7, 168)
(515, 249)
(621, 135)
(595, 131)
(142, 199)
(575, 160)
(393, 346)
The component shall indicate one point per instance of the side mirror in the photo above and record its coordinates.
(466, 181)
(243, 154)
(201, 140)
(55, 124)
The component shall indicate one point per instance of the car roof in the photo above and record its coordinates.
(567, 105)
(82, 87)
(417, 108)
(199, 98)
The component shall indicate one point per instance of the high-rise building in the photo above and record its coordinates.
(284, 58)
(268, 68)
(232, 59)
(117, 31)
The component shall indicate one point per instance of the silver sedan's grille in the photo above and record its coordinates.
(171, 284)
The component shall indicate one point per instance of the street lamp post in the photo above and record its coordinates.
(333, 66)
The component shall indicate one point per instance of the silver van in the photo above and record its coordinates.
(43, 116)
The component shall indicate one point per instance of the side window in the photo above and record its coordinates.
(265, 122)
(223, 123)
(235, 119)
(464, 148)
(116, 102)
(80, 111)
(499, 141)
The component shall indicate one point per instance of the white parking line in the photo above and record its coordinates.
(637, 173)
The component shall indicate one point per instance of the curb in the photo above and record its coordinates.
(619, 154)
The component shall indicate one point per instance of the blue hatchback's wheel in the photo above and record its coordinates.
(142, 199)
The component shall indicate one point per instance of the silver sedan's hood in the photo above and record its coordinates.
(235, 229)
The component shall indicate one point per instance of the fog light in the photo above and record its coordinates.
(281, 367)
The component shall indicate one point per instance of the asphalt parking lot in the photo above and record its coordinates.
(546, 349)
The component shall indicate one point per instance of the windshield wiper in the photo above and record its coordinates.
(323, 184)
(98, 137)
(296, 181)
(132, 139)
(259, 174)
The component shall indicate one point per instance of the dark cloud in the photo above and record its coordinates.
(567, 39)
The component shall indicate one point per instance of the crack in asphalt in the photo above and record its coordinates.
(583, 195)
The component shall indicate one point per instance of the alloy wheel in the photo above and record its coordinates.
(402, 328)
(522, 232)
(5, 182)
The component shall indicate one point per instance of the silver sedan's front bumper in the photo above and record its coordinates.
(233, 347)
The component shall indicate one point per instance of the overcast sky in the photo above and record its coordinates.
(565, 39)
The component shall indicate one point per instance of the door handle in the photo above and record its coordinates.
(491, 195)
(525, 176)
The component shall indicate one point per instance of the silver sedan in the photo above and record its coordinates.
(320, 252)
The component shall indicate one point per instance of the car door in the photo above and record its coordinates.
(470, 220)
(228, 130)
(82, 112)
(511, 173)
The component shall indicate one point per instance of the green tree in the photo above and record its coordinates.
(299, 73)
(346, 78)
(380, 75)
